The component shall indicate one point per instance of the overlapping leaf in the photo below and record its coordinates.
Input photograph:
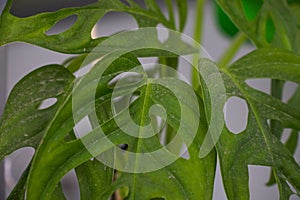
(57, 157)
(257, 145)
(78, 38)
(23, 123)
(178, 180)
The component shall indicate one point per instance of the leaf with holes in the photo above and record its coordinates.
(257, 145)
(23, 122)
(178, 180)
(93, 178)
(292, 141)
(33, 29)
(56, 156)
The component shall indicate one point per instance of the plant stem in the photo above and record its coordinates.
(232, 50)
(276, 91)
(198, 38)
(173, 63)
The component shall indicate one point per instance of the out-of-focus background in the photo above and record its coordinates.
(18, 59)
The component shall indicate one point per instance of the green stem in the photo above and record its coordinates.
(173, 63)
(198, 38)
(171, 13)
(276, 91)
(232, 50)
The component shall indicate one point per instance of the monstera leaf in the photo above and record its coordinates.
(177, 180)
(123, 153)
(24, 124)
(78, 39)
(58, 153)
(24, 121)
(257, 145)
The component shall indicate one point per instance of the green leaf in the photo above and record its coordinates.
(257, 145)
(292, 142)
(258, 25)
(23, 123)
(184, 179)
(182, 6)
(93, 178)
(19, 191)
(55, 157)
(33, 29)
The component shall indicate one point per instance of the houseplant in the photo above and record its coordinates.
(272, 27)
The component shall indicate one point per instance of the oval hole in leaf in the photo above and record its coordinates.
(112, 23)
(83, 127)
(288, 91)
(162, 33)
(150, 66)
(285, 135)
(125, 80)
(185, 154)
(236, 114)
(291, 139)
(123, 146)
(47, 103)
(258, 176)
(62, 25)
(83, 70)
(15, 164)
(70, 185)
(260, 84)
(251, 8)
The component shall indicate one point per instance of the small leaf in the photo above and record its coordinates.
(22, 123)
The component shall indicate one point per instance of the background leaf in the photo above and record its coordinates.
(271, 24)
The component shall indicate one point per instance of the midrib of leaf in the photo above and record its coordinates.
(142, 123)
